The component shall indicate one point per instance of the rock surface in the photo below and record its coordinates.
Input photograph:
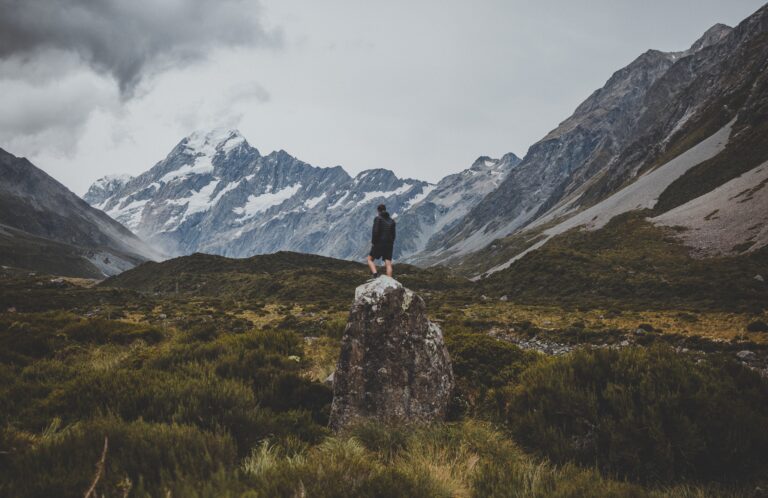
(393, 365)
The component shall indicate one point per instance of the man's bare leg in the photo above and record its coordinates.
(388, 264)
(372, 265)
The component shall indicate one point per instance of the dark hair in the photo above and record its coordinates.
(381, 208)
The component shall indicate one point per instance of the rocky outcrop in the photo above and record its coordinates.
(393, 365)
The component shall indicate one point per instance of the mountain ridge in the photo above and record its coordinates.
(684, 97)
(45, 223)
(214, 192)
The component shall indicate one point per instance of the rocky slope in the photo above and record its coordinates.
(44, 226)
(216, 193)
(449, 201)
(668, 128)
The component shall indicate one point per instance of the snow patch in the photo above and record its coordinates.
(231, 186)
(314, 201)
(201, 166)
(340, 201)
(199, 201)
(369, 196)
(130, 214)
(108, 180)
(259, 203)
(420, 196)
(207, 142)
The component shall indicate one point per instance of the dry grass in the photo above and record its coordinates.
(713, 325)
(269, 315)
(453, 468)
(320, 354)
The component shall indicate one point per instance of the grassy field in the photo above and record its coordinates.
(217, 390)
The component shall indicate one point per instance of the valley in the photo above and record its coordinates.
(593, 314)
(229, 358)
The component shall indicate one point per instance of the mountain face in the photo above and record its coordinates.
(44, 226)
(446, 203)
(215, 193)
(645, 120)
(561, 162)
(105, 187)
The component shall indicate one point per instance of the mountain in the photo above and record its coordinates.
(446, 203)
(45, 227)
(216, 193)
(663, 131)
(105, 187)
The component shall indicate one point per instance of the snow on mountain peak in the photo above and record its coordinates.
(108, 179)
(203, 198)
(104, 187)
(206, 143)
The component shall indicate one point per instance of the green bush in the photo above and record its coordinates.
(651, 415)
(26, 337)
(206, 401)
(757, 326)
(63, 464)
(483, 365)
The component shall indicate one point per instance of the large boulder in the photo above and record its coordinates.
(393, 365)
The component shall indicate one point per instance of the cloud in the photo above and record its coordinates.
(127, 39)
(48, 103)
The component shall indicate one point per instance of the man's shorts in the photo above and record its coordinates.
(381, 251)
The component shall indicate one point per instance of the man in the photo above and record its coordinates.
(382, 241)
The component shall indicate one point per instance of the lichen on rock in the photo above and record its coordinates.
(393, 365)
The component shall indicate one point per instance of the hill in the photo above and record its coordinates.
(44, 226)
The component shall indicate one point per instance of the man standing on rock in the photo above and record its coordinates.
(382, 241)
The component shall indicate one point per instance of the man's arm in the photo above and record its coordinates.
(375, 232)
(394, 230)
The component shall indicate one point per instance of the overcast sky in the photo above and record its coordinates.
(422, 88)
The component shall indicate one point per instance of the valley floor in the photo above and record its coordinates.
(223, 393)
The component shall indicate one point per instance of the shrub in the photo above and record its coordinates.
(100, 331)
(206, 401)
(526, 478)
(646, 414)
(63, 464)
(757, 326)
(482, 365)
(337, 468)
(27, 337)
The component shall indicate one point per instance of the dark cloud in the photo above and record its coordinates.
(127, 38)
(47, 101)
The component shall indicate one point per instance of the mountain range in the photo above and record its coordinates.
(663, 132)
(680, 136)
(216, 193)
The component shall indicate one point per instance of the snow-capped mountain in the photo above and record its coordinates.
(649, 112)
(105, 187)
(216, 193)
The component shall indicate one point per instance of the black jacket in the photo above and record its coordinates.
(383, 229)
